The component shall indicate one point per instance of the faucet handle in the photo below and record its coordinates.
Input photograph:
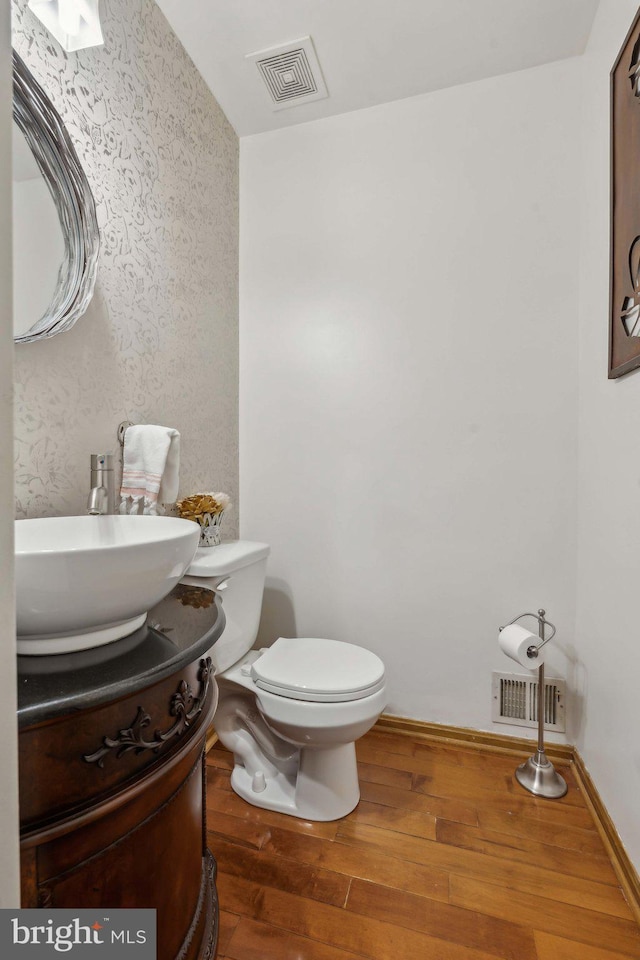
(102, 461)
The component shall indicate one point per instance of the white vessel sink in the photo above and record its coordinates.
(85, 581)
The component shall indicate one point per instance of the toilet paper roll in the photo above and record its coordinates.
(514, 640)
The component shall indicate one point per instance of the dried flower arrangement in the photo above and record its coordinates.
(207, 510)
(199, 505)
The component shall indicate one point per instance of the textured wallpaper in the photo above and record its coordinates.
(159, 343)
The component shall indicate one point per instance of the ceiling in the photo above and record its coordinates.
(371, 51)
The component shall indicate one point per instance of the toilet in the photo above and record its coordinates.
(289, 713)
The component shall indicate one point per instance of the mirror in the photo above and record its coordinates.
(38, 244)
(55, 228)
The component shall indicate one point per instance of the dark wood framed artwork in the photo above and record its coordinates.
(624, 322)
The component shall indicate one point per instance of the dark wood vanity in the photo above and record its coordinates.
(112, 775)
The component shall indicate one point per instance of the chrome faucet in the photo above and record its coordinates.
(102, 495)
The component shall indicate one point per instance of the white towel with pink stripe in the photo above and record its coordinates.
(150, 469)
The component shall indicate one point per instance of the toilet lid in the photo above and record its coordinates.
(308, 668)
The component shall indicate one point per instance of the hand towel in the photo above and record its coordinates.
(150, 469)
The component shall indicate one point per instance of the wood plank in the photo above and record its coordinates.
(542, 913)
(391, 796)
(469, 756)
(364, 864)
(239, 895)
(461, 756)
(222, 801)
(401, 821)
(473, 786)
(262, 941)
(520, 849)
(449, 781)
(220, 758)
(557, 834)
(269, 870)
(246, 832)
(571, 882)
(518, 874)
(425, 757)
(506, 940)
(524, 805)
(550, 947)
(218, 778)
(226, 928)
(347, 931)
(373, 773)
(435, 776)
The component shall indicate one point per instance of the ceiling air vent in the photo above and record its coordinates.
(291, 73)
(515, 700)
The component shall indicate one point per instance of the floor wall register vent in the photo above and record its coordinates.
(291, 73)
(514, 699)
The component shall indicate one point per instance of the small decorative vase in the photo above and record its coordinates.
(210, 524)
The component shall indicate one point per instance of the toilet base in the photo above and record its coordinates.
(325, 786)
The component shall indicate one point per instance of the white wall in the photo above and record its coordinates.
(609, 488)
(9, 873)
(409, 378)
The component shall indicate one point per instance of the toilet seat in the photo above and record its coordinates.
(318, 670)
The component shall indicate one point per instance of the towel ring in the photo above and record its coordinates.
(122, 429)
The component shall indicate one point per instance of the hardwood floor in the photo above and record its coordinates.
(445, 858)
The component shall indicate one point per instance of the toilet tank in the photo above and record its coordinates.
(244, 563)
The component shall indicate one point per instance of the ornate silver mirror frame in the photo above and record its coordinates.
(58, 161)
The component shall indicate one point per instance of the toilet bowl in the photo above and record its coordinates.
(290, 713)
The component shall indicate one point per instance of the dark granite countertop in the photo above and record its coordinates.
(181, 628)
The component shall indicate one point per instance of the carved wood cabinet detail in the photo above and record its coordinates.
(113, 818)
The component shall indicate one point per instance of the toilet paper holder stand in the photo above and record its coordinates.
(532, 651)
(537, 774)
